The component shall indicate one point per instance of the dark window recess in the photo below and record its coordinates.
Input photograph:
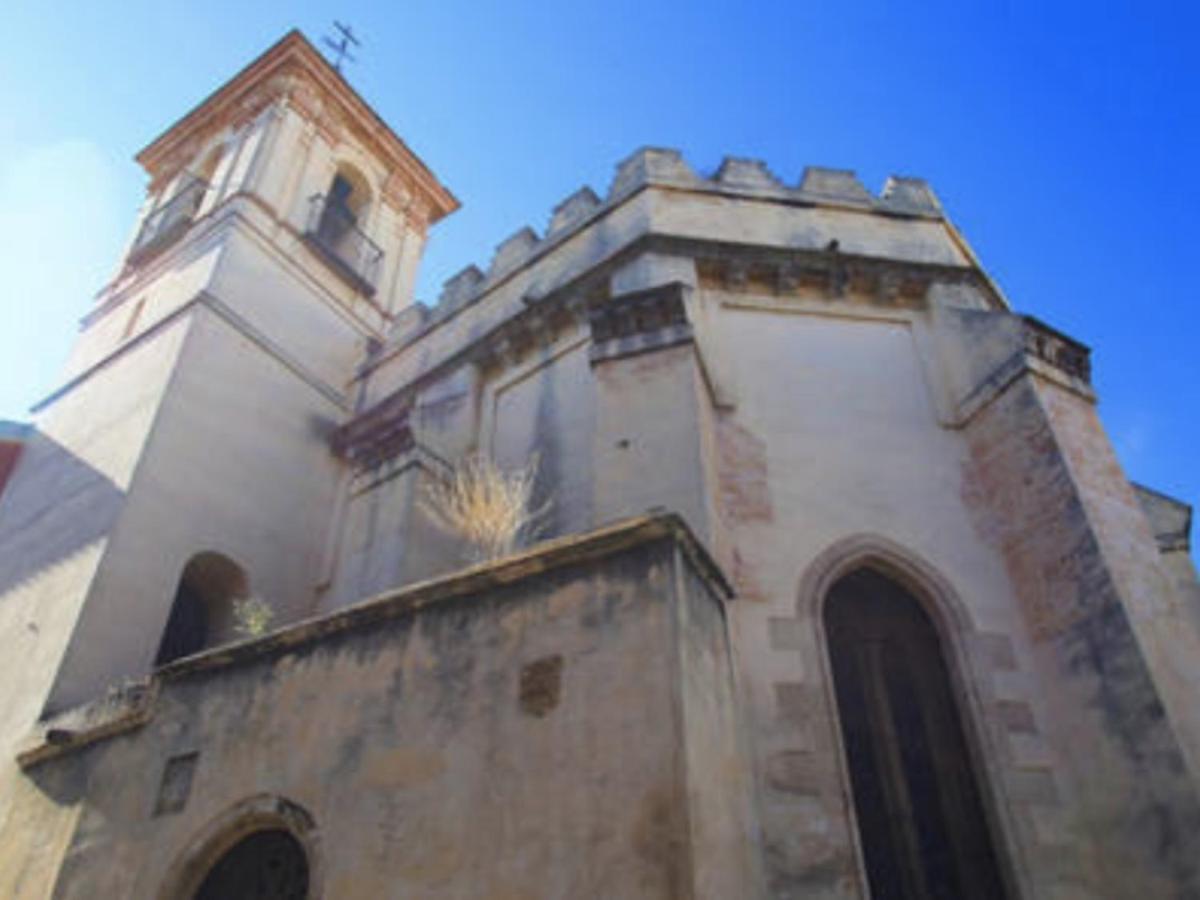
(334, 233)
(340, 191)
(202, 609)
(187, 627)
(921, 819)
(265, 865)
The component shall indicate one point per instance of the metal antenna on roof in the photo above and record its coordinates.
(342, 48)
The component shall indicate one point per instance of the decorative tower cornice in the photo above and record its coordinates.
(294, 72)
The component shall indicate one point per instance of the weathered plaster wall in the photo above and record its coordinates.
(547, 410)
(304, 312)
(836, 435)
(515, 733)
(238, 463)
(1166, 639)
(177, 279)
(386, 537)
(57, 517)
(648, 440)
(1048, 495)
(722, 817)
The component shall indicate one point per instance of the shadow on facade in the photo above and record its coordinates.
(55, 505)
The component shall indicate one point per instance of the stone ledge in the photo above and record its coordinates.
(1042, 352)
(127, 709)
(567, 299)
(1170, 518)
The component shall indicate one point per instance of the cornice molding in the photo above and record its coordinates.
(293, 71)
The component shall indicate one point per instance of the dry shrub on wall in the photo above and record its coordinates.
(489, 508)
(252, 616)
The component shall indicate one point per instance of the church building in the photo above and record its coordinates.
(836, 590)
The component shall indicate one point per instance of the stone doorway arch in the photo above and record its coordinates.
(968, 673)
(264, 834)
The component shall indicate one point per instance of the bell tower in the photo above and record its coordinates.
(184, 457)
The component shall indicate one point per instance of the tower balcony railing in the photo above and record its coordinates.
(334, 233)
(165, 225)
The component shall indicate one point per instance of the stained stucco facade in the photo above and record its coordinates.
(738, 391)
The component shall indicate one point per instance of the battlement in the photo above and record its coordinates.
(735, 177)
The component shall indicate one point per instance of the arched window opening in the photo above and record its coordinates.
(350, 194)
(265, 865)
(202, 611)
(917, 799)
(171, 218)
(336, 228)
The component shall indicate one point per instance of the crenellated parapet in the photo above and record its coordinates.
(572, 211)
(658, 167)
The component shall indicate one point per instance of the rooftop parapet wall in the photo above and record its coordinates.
(666, 168)
(545, 701)
(133, 705)
(656, 196)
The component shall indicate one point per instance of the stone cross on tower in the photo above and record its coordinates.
(341, 48)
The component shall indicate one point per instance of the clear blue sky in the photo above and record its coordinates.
(1062, 142)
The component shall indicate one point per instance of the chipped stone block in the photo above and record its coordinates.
(1016, 716)
(751, 174)
(650, 165)
(1051, 825)
(1030, 751)
(998, 650)
(541, 685)
(1018, 686)
(909, 195)
(513, 251)
(796, 772)
(834, 184)
(573, 210)
(460, 288)
(786, 633)
(796, 715)
(1034, 786)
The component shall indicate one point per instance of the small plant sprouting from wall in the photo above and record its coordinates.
(252, 616)
(488, 507)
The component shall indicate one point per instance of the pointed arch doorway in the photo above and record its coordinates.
(917, 798)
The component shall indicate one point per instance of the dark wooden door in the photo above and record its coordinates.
(917, 800)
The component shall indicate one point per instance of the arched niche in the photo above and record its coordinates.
(339, 221)
(265, 840)
(202, 609)
(350, 193)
